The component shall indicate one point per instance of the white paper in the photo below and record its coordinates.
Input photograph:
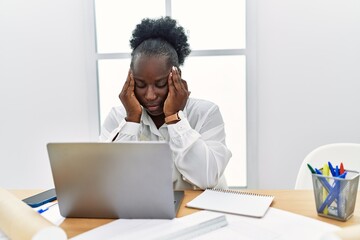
(52, 214)
(276, 224)
(186, 227)
(234, 202)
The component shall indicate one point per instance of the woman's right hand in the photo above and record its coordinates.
(129, 100)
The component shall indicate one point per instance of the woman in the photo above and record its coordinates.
(156, 107)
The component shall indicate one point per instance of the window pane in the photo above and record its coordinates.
(112, 76)
(212, 24)
(115, 21)
(222, 80)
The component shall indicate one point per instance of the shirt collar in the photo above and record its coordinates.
(146, 120)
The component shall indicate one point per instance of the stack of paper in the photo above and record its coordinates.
(275, 225)
(179, 228)
(205, 225)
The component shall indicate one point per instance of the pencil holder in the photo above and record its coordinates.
(335, 197)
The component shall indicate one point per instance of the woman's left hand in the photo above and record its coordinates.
(178, 93)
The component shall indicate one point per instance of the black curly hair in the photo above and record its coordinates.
(160, 37)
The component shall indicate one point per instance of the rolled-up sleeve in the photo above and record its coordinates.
(200, 153)
(115, 128)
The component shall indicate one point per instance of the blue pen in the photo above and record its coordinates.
(333, 194)
(340, 197)
(330, 198)
(41, 210)
(324, 182)
(332, 170)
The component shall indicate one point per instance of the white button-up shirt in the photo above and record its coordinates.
(198, 144)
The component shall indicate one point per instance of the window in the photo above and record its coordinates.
(215, 70)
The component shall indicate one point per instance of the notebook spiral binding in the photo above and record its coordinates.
(239, 192)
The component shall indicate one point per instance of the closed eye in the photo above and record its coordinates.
(140, 84)
(161, 83)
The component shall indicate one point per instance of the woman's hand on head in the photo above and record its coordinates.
(178, 93)
(129, 100)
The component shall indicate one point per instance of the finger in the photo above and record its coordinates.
(184, 84)
(127, 82)
(181, 84)
(171, 82)
(131, 83)
(177, 79)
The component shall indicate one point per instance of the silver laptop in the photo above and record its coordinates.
(114, 180)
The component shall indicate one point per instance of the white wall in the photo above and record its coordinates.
(308, 82)
(46, 92)
(305, 92)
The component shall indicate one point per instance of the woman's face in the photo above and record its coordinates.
(151, 82)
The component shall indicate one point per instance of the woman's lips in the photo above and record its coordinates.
(153, 108)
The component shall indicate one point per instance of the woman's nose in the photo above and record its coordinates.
(150, 93)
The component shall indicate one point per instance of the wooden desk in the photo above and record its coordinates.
(297, 201)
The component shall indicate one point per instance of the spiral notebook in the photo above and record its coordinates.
(235, 202)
